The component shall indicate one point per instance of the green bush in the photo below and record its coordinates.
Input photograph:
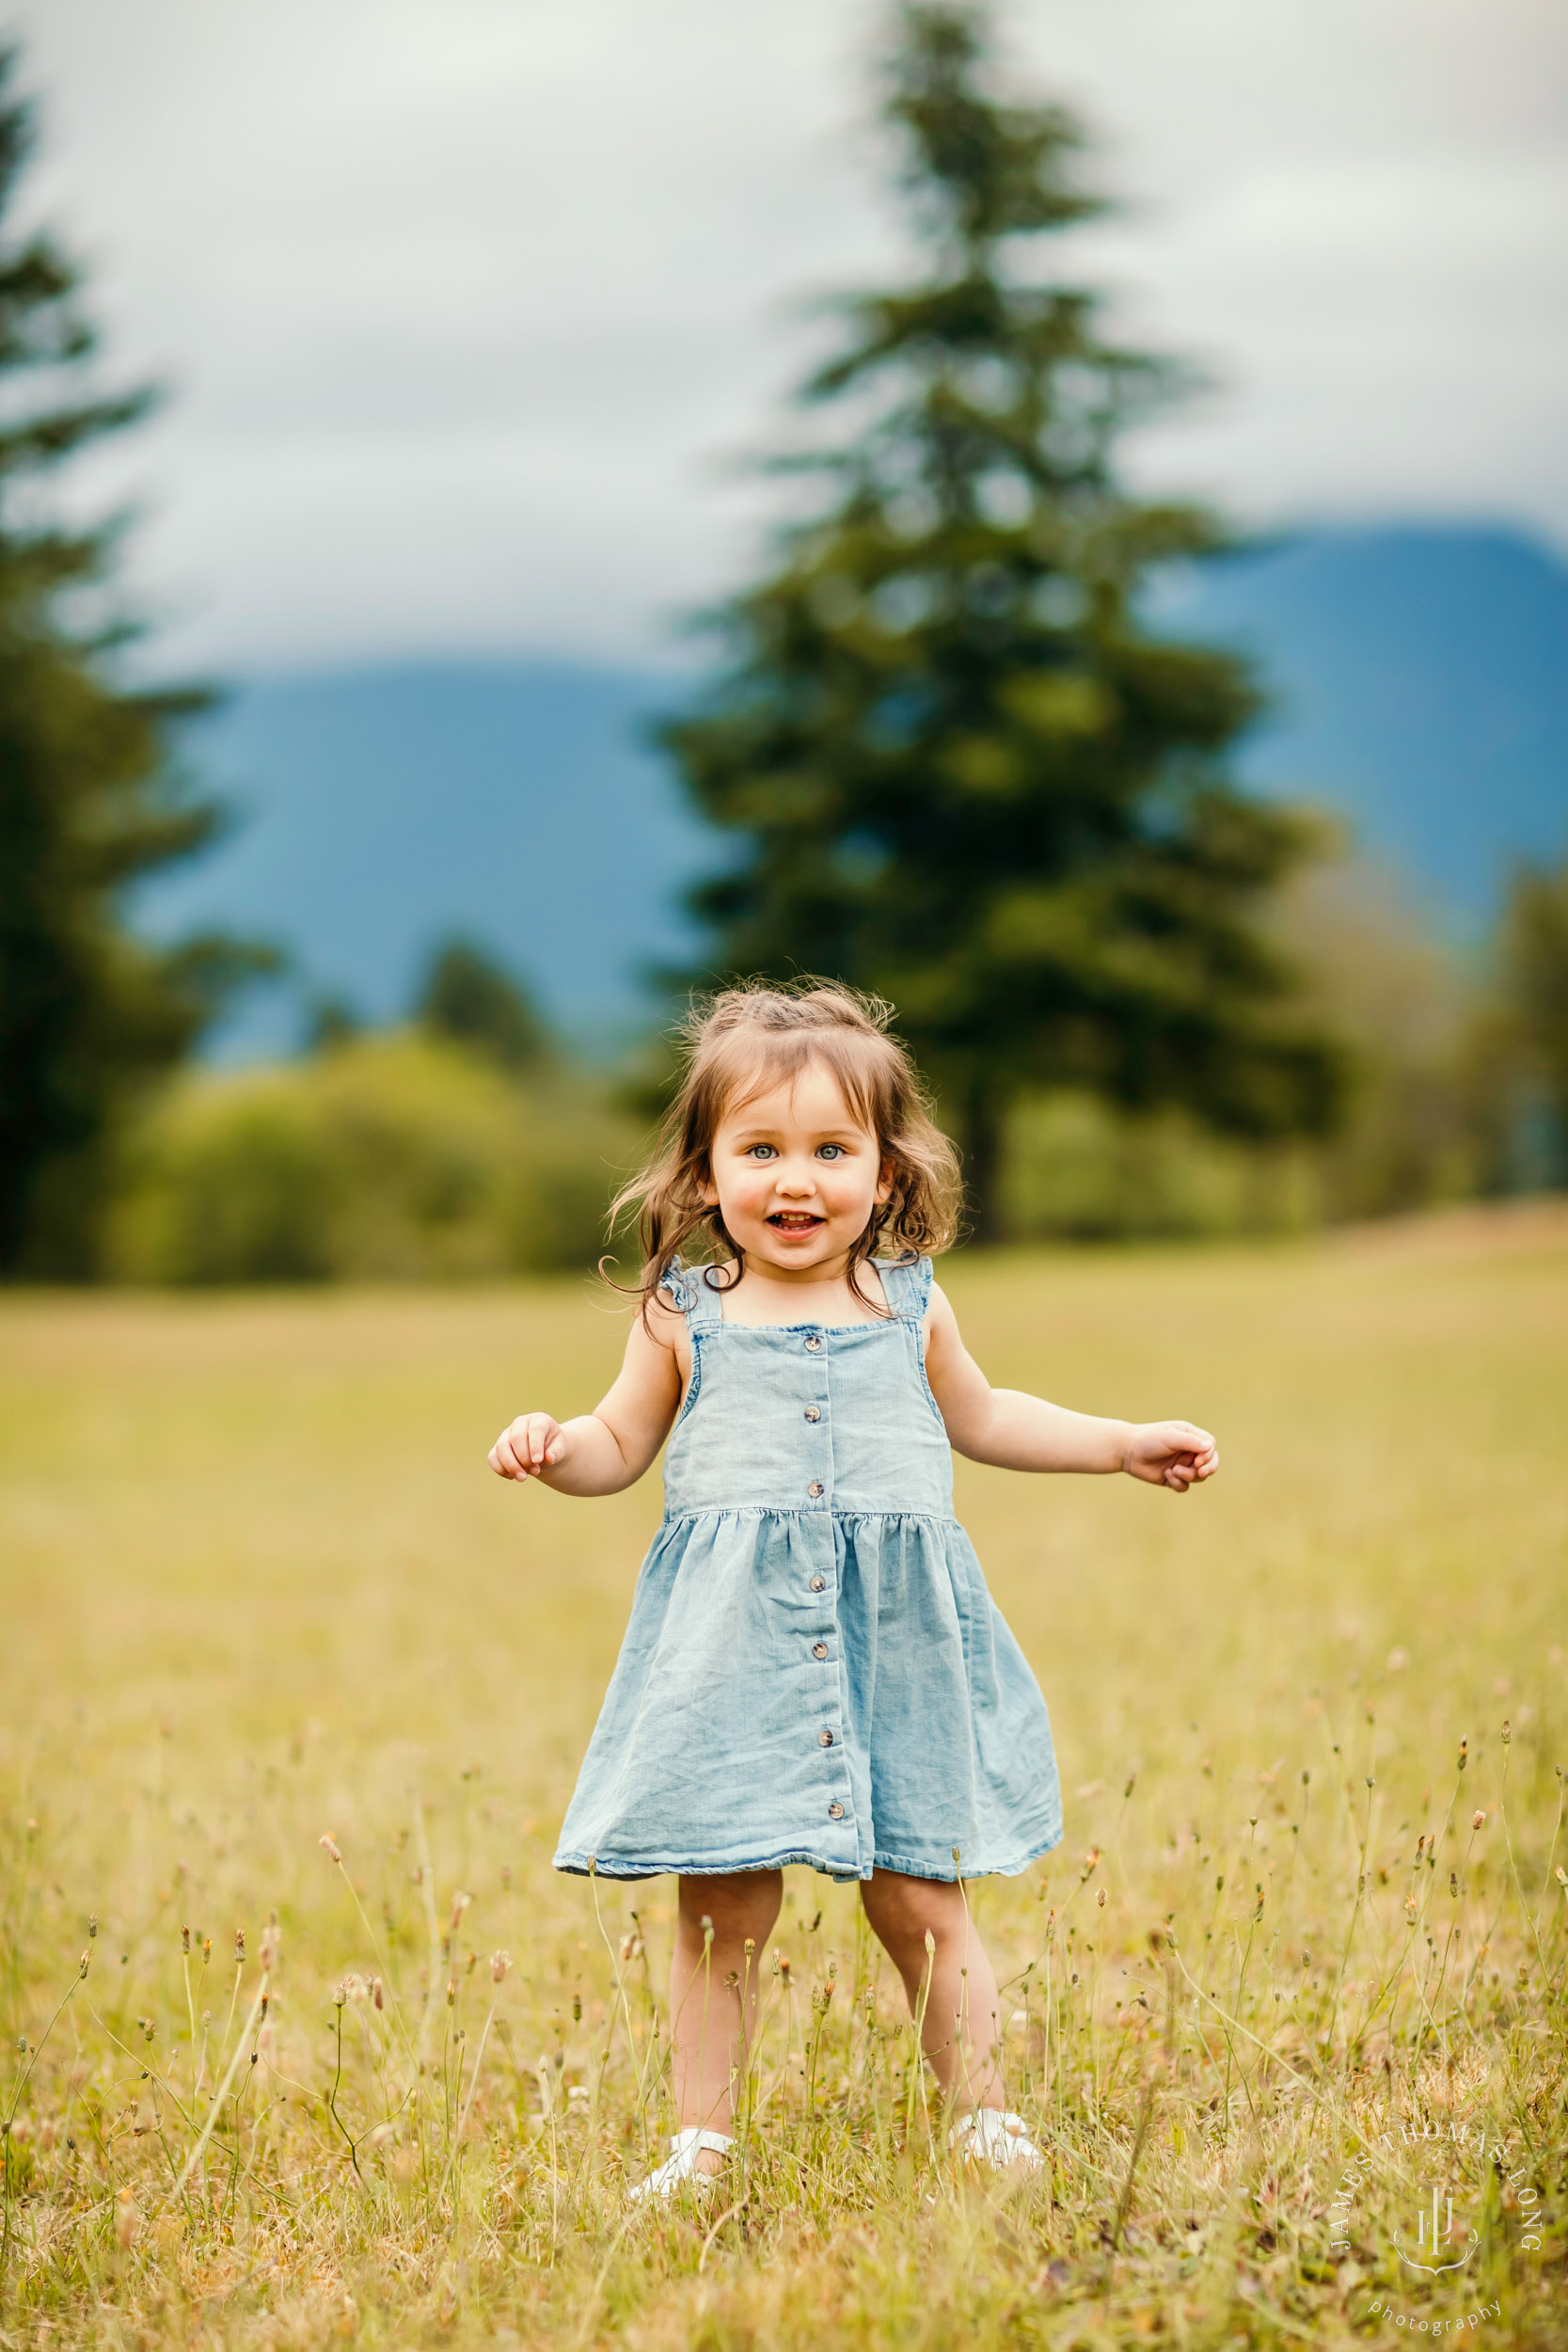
(389, 1158)
(1077, 1169)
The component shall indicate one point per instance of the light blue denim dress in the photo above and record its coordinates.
(813, 1669)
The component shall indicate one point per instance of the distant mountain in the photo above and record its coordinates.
(1421, 677)
(378, 810)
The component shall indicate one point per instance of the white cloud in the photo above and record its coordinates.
(465, 300)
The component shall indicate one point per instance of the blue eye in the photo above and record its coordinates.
(830, 1152)
(760, 1150)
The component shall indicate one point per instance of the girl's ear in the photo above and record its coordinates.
(708, 1191)
(884, 1190)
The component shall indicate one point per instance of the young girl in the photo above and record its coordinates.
(815, 1671)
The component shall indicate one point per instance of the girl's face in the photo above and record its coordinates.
(796, 1176)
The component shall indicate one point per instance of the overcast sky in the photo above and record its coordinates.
(463, 302)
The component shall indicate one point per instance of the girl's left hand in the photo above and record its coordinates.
(1173, 1454)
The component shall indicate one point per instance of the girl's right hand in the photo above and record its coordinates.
(533, 1443)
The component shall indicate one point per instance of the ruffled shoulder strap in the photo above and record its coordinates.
(700, 1300)
(907, 1286)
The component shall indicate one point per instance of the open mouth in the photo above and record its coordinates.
(795, 1221)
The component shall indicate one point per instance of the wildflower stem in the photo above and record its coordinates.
(220, 2094)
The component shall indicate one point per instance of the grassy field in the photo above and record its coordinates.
(1299, 1963)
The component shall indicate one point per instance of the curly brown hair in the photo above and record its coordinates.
(747, 1039)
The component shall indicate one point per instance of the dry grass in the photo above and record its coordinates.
(258, 1586)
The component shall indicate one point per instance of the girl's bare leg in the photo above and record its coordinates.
(963, 2032)
(713, 1991)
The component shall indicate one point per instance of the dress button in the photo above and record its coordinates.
(819, 1649)
(813, 1342)
(812, 1413)
(815, 1488)
(820, 1584)
(824, 1738)
(835, 1811)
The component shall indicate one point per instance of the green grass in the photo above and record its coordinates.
(258, 1585)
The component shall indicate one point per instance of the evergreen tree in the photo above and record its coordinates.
(88, 800)
(469, 997)
(967, 773)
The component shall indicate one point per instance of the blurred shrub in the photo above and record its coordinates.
(1517, 1065)
(1405, 1002)
(1077, 1169)
(1408, 1010)
(387, 1158)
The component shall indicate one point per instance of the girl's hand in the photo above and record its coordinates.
(1170, 1453)
(533, 1444)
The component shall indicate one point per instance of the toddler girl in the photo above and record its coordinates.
(813, 1671)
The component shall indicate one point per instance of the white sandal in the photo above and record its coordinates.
(680, 2166)
(992, 2136)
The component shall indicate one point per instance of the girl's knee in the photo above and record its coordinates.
(739, 1903)
(902, 1910)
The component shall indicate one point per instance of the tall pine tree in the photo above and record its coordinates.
(966, 773)
(88, 799)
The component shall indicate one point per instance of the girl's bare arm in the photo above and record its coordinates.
(1012, 1431)
(601, 1452)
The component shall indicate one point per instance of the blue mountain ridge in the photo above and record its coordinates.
(1420, 683)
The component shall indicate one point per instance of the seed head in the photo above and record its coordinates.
(238, 1945)
(499, 1964)
(1463, 1753)
(184, 1939)
(330, 1847)
(452, 1992)
(930, 1945)
(1477, 1818)
(378, 1993)
(460, 1905)
(1099, 1899)
(1507, 1733)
